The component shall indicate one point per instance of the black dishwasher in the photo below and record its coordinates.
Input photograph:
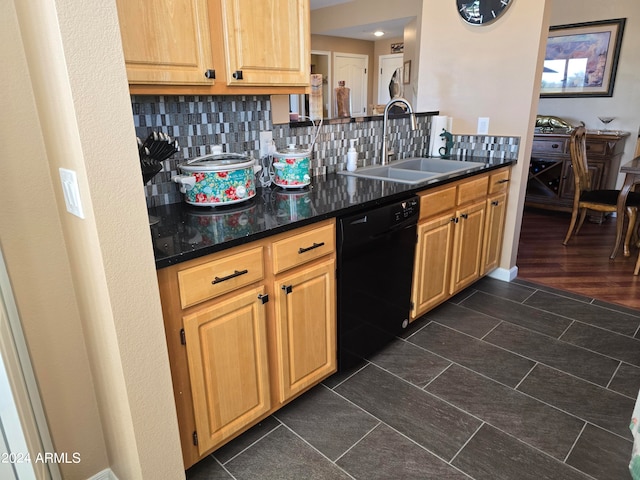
(376, 250)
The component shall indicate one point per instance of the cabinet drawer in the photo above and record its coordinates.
(596, 148)
(432, 203)
(472, 190)
(550, 146)
(499, 182)
(219, 276)
(298, 249)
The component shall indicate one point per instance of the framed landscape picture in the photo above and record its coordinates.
(581, 59)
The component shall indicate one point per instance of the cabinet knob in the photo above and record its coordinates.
(495, 203)
(287, 289)
(464, 215)
(237, 75)
(210, 74)
(555, 145)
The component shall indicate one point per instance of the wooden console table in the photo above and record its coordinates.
(551, 185)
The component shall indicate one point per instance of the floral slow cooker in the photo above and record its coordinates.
(218, 179)
(292, 167)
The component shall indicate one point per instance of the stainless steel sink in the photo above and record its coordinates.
(391, 173)
(415, 170)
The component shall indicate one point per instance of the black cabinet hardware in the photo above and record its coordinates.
(306, 249)
(235, 274)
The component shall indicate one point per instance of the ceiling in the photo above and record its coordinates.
(392, 28)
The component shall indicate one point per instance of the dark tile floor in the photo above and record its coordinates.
(505, 381)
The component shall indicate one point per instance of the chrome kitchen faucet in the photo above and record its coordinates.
(383, 152)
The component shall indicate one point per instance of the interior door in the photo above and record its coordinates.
(388, 65)
(353, 69)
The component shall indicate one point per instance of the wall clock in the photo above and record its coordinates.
(481, 12)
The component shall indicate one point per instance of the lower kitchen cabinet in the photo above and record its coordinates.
(305, 302)
(248, 329)
(227, 354)
(432, 273)
(459, 237)
(467, 245)
(496, 208)
(493, 232)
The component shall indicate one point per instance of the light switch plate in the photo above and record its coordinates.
(483, 125)
(71, 192)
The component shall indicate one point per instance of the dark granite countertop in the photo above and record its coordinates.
(184, 232)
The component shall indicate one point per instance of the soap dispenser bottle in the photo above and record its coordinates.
(352, 157)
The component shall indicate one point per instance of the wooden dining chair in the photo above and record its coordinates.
(585, 198)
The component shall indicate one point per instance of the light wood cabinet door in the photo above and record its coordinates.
(268, 41)
(496, 209)
(306, 327)
(166, 42)
(227, 356)
(467, 245)
(432, 269)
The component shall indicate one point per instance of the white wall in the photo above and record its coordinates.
(491, 71)
(625, 102)
(86, 288)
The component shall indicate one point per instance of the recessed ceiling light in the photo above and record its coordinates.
(378, 33)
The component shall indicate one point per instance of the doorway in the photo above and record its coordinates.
(321, 64)
(389, 64)
(353, 69)
(23, 427)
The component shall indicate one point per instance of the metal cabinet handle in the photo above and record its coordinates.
(306, 249)
(555, 145)
(287, 289)
(504, 180)
(235, 274)
(237, 75)
(465, 215)
(495, 203)
(210, 74)
(263, 297)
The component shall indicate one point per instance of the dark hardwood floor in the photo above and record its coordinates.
(583, 266)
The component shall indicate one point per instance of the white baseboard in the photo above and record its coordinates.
(106, 474)
(504, 274)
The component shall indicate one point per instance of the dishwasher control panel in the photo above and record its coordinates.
(406, 209)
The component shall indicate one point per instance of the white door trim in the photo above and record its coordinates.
(326, 93)
(383, 84)
(28, 411)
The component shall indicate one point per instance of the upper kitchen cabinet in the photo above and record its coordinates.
(267, 42)
(216, 47)
(166, 42)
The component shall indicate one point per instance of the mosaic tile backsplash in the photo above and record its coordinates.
(197, 122)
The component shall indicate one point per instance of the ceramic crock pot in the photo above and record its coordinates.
(218, 179)
(292, 167)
